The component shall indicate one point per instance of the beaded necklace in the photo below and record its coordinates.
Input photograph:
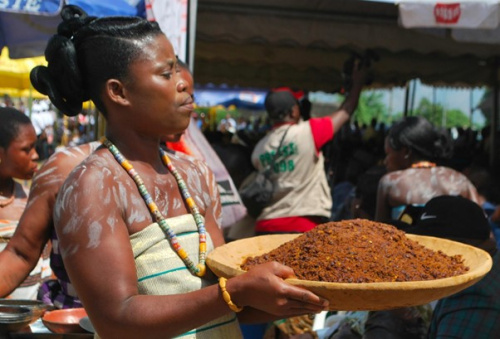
(423, 164)
(200, 268)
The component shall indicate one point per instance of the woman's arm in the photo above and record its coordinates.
(33, 230)
(344, 113)
(382, 211)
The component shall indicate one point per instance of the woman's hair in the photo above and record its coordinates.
(10, 122)
(85, 53)
(421, 137)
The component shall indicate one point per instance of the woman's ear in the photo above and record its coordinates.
(114, 90)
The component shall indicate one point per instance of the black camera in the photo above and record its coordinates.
(366, 59)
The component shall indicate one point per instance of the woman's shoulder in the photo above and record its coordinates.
(406, 177)
(394, 175)
(97, 168)
(92, 184)
(66, 159)
(447, 174)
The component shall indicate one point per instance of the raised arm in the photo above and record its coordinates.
(382, 211)
(344, 113)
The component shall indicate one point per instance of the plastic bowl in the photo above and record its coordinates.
(14, 318)
(64, 321)
(37, 307)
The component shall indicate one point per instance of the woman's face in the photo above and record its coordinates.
(158, 91)
(394, 159)
(19, 159)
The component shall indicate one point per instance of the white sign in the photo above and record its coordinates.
(172, 16)
(449, 13)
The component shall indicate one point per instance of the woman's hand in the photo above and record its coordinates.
(263, 288)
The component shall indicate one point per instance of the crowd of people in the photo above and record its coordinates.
(149, 213)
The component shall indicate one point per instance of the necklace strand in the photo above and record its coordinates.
(423, 164)
(198, 269)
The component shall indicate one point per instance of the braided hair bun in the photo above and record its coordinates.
(61, 80)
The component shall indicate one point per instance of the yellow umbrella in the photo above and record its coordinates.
(21, 93)
(15, 73)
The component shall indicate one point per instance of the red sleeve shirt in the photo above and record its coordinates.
(322, 131)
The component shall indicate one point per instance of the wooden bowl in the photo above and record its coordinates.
(64, 321)
(225, 261)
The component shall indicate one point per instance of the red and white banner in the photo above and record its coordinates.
(472, 14)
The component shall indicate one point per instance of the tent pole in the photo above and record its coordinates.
(471, 106)
(434, 108)
(407, 95)
(413, 91)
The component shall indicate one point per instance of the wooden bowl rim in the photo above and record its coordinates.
(473, 273)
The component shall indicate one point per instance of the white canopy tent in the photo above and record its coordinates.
(299, 43)
(476, 21)
(304, 44)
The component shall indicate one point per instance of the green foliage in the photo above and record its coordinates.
(457, 118)
(220, 112)
(438, 116)
(371, 105)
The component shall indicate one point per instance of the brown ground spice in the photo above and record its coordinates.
(361, 251)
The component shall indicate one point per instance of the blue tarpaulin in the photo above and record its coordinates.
(26, 35)
(241, 98)
(45, 7)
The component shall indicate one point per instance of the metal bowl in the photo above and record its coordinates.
(36, 306)
(14, 318)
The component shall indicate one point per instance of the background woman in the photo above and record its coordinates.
(18, 159)
(415, 151)
(135, 223)
(35, 228)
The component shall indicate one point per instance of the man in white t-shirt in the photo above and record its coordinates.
(301, 198)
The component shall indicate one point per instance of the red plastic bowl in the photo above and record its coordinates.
(64, 321)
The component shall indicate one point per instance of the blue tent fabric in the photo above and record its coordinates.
(252, 99)
(45, 7)
(105, 8)
(256, 106)
(26, 35)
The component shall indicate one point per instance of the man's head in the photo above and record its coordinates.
(455, 218)
(280, 105)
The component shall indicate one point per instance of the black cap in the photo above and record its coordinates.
(279, 103)
(452, 217)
